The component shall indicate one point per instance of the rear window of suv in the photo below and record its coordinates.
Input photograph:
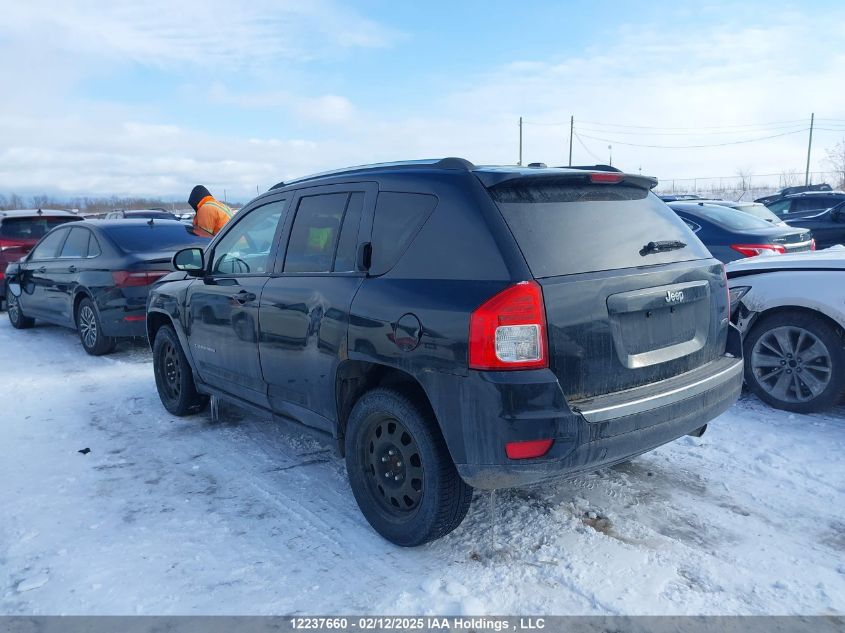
(565, 229)
(32, 228)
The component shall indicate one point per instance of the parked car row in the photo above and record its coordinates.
(94, 276)
(446, 326)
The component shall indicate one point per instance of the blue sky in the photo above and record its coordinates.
(131, 98)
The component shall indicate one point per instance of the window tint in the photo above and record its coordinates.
(76, 244)
(314, 234)
(724, 217)
(568, 229)
(49, 246)
(93, 246)
(152, 238)
(348, 242)
(33, 228)
(246, 248)
(397, 219)
(781, 207)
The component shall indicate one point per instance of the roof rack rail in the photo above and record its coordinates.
(593, 167)
(450, 162)
(537, 165)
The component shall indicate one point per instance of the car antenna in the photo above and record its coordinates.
(150, 222)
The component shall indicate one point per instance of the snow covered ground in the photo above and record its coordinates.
(186, 516)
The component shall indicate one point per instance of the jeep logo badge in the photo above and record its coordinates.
(674, 297)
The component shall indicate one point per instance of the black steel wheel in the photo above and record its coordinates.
(90, 329)
(796, 361)
(393, 463)
(400, 470)
(173, 375)
(15, 312)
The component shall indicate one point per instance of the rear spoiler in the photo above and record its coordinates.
(567, 176)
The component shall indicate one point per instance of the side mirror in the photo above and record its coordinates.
(190, 260)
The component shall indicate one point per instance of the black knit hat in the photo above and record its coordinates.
(197, 193)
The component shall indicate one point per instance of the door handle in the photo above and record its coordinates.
(42, 270)
(71, 269)
(244, 297)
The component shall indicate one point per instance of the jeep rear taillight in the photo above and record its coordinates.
(508, 331)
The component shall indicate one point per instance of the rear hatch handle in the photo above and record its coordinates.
(659, 247)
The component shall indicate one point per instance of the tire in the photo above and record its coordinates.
(90, 330)
(795, 361)
(15, 312)
(390, 438)
(174, 378)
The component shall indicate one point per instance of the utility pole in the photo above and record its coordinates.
(225, 201)
(809, 147)
(520, 142)
(571, 131)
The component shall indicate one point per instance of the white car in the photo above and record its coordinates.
(791, 312)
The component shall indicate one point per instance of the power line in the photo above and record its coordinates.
(751, 140)
(586, 149)
(795, 126)
(769, 125)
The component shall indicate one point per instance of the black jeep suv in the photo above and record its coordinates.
(453, 326)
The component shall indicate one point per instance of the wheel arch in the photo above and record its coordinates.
(354, 378)
(762, 316)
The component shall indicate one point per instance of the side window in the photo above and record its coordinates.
(76, 245)
(247, 247)
(314, 234)
(49, 246)
(397, 219)
(347, 244)
(809, 203)
(93, 246)
(781, 207)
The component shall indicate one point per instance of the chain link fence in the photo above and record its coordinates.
(744, 186)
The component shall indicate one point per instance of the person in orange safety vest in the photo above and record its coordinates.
(211, 215)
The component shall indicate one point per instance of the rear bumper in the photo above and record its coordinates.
(124, 323)
(494, 408)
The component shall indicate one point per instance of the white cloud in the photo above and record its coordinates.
(722, 74)
(216, 33)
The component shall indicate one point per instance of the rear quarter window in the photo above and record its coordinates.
(565, 229)
(398, 218)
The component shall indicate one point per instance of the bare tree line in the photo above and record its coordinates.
(85, 204)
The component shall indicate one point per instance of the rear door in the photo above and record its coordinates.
(621, 313)
(222, 308)
(305, 306)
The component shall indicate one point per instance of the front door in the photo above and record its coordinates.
(37, 283)
(305, 307)
(222, 307)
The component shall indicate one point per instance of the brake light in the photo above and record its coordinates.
(752, 250)
(133, 278)
(529, 449)
(508, 331)
(606, 178)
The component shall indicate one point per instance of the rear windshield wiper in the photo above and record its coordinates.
(659, 247)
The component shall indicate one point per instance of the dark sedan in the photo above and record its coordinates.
(94, 276)
(731, 234)
(828, 226)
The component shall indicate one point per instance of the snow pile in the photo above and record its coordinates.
(185, 516)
